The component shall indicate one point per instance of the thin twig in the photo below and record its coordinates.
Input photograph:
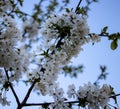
(104, 35)
(10, 84)
(115, 95)
(40, 2)
(78, 6)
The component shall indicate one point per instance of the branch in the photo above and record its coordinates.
(28, 94)
(40, 2)
(104, 35)
(40, 104)
(70, 102)
(10, 84)
(78, 6)
(114, 95)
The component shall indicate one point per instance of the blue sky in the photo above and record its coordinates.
(104, 13)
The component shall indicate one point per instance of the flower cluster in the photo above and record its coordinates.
(59, 100)
(11, 57)
(88, 96)
(3, 81)
(91, 95)
(3, 100)
(64, 37)
(30, 27)
(48, 71)
(5, 5)
(67, 32)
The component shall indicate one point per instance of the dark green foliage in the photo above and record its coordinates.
(51, 7)
(66, 1)
(114, 44)
(103, 74)
(21, 2)
(45, 106)
(45, 53)
(114, 37)
(113, 93)
(6, 85)
(104, 30)
(68, 10)
(82, 102)
(72, 71)
(81, 11)
(86, 8)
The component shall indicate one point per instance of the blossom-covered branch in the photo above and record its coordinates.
(42, 57)
(89, 95)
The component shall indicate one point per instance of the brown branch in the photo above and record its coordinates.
(11, 87)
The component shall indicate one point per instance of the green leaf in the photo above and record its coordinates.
(72, 71)
(45, 106)
(114, 36)
(113, 93)
(6, 85)
(21, 2)
(45, 53)
(67, 10)
(11, 69)
(114, 44)
(81, 11)
(104, 30)
(82, 102)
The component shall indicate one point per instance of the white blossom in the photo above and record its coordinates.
(71, 91)
(71, 27)
(95, 38)
(5, 5)
(3, 98)
(11, 57)
(95, 96)
(60, 104)
(64, 37)
(59, 100)
(5, 102)
(70, 47)
(31, 28)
